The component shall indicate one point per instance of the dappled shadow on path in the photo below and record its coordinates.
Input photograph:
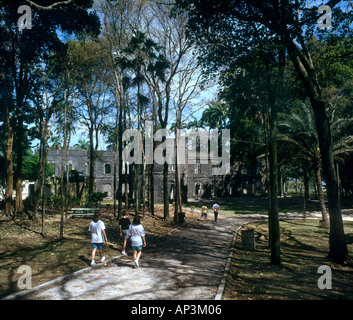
(187, 264)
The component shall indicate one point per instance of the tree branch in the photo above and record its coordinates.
(50, 7)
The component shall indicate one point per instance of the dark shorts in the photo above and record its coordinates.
(136, 248)
(97, 245)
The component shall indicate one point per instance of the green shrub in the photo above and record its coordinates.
(95, 197)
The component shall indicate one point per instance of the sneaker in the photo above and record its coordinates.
(93, 263)
(123, 253)
(136, 264)
(103, 259)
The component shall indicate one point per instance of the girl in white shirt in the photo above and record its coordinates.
(138, 239)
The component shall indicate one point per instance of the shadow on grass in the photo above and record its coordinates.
(304, 247)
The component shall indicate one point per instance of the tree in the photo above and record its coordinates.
(245, 93)
(178, 86)
(31, 166)
(82, 144)
(216, 116)
(227, 29)
(23, 51)
(46, 104)
(118, 16)
(260, 96)
(63, 68)
(298, 131)
(90, 76)
(143, 57)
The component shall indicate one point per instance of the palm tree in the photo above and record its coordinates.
(142, 57)
(298, 133)
(56, 142)
(82, 144)
(215, 116)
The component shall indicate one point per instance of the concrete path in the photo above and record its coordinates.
(189, 264)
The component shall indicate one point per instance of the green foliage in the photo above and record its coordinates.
(216, 116)
(31, 167)
(75, 201)
(54, 201)
(95, 198)
(82, 144)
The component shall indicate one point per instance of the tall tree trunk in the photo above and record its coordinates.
(61, 235)
(177, 198)
(306, 190)
(166, 215)
(151, 183)
(154, 119)
(120, 159)
(9, 210)
(302, 62)
(67, 191)
(138, 166)
(274, 231)
(38, 186)
(115, 189)
(118, 163)
(126, 177)
(338, 251)
(92, 160)
(164, 122)
(42, 171)
(43, 160)
(324, 221)
(18, 171)
(143, 169)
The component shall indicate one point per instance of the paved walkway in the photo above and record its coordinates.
(185, 265)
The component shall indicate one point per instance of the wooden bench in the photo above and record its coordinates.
(82, 212)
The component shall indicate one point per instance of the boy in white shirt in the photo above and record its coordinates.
(97, 229)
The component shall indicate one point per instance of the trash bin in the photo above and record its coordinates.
(248, 239)
(181, 217)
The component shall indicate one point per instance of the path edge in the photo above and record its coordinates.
(222, 284)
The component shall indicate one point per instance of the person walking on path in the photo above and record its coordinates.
(215, 211)
(204, 211)
(138, 239)
(98, 235)
(124, 225)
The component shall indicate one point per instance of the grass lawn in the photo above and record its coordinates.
(304, 246)
(247, 204)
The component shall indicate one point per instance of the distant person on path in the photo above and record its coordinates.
(97, 229)
(138, 239)
(204, 212)
(215, 211)
(124, 225)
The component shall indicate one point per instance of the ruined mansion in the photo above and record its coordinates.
(197, 179)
